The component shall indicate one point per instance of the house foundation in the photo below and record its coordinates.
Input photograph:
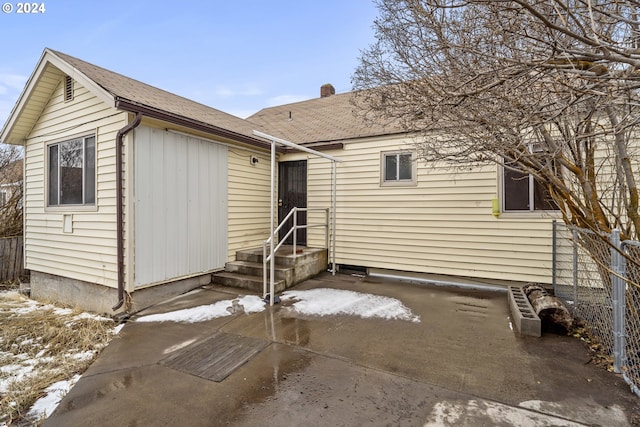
(99, 299)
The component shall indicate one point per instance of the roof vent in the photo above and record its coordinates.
(68, 88)
(327, 90)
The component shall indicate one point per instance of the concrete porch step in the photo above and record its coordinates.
(290, 269)
(255, 269)
(238, 280)
(284, 256)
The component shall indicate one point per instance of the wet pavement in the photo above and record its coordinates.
(460, 365)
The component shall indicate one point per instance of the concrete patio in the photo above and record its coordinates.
(460, 365)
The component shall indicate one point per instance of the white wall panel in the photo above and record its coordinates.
(180, 205)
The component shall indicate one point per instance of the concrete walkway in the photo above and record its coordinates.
(460, 365)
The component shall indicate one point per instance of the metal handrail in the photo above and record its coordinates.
(271, 257)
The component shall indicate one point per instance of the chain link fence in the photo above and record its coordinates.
(598, 276)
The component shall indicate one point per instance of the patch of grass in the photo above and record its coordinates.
(9, 285)
(41, 344)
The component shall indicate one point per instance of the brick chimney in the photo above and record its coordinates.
(327, 90)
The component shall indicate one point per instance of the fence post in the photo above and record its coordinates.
(617, 300)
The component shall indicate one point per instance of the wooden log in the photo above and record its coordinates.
(551, 311)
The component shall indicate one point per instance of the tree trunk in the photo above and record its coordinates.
(552, 313)
(622, 156)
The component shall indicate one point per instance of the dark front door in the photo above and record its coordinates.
(292, 191)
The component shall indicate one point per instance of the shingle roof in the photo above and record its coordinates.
(332, 118)
(125, 88)
(327, 119)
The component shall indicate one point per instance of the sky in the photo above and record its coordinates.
(238, 56)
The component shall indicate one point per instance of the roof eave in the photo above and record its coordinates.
(5, 132)
(330, 144)
(323, 146)
(48, 57)
(155, 113)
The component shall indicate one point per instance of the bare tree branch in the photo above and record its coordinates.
(485, 80)
(11, 196)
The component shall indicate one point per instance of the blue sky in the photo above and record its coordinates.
(237, 55)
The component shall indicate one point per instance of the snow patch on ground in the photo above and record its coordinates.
(44, 406)
(331, 302)
(31, 366)
(14, 373)
(247, 304)
(314, 302)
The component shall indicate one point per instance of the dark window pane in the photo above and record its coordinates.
(71, 172)
(516, 191)
(391, 167)
(53, 175)
(90, 171)
(405, 166)
(541, 198)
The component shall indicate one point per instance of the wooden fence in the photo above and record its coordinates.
(11, 265)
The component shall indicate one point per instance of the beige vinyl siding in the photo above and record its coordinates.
(88, 253)
(444, 225)
(249, 199)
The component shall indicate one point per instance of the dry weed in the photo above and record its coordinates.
(41, 344)
(8, 285)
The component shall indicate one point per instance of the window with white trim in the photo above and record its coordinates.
(522, 192)
(72, 172)
(398, 168)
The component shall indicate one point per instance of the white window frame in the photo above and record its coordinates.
(85, 205)
(398, 182)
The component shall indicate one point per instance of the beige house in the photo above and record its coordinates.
(401, 217)
(133, 193)
(128, 187)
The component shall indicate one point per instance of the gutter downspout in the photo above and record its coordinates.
(119, 212)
